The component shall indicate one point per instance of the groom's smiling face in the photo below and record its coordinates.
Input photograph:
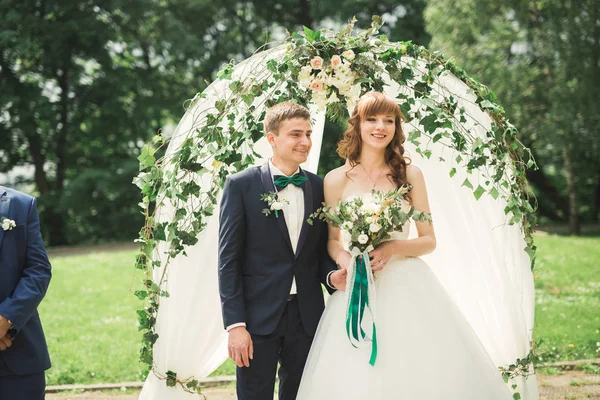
(292, 143)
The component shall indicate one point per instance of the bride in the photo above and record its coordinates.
(426, 348)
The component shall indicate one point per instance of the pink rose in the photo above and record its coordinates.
(316, 85)
(316, 62)
(335, 61)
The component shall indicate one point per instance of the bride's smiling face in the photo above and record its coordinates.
(378, 130)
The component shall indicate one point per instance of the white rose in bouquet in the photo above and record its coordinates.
(362, 238)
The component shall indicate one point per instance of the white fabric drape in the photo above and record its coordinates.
(479, 259)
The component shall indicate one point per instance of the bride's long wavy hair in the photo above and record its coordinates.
(349, 148)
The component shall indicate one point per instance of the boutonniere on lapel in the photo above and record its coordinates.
(274, 202)
(8, 224)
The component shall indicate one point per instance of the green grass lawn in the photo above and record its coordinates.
(91, 325)
(567, 289)
(90, 321)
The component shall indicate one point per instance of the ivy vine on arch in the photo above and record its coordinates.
(330, 70)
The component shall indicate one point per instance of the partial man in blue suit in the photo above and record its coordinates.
(24, 278)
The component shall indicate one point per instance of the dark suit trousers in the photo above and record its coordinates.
(27, 387)
(289, 345)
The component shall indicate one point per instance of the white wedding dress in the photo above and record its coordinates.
(426, 348)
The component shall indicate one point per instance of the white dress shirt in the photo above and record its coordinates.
(293, 212)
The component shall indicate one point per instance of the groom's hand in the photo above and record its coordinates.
(4, 326)
(5, 342)
(338, 279)
(241, 350)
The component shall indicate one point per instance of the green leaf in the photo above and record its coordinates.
(494, 192)
(310, 34)
(141, 294)
(479, 192)
(146, 158)
(414, 135)
(452, 172)
(467, 183)
(220, 105)
(272, 66)
(430, 123)
(171, 378)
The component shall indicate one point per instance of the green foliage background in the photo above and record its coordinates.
(83, 84)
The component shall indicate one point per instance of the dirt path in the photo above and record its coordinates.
(570, 385)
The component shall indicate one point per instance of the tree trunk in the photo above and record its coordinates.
(35, 150)
(559, 210)
(304, 17)
(595, 209)
(574, 224)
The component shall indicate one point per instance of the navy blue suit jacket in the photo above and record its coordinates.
(256, 260)
(24, 278)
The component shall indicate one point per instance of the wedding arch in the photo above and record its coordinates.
(473, 162)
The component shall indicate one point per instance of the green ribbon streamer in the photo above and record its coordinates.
(359, 302)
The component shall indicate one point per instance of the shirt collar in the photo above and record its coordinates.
(276, 171)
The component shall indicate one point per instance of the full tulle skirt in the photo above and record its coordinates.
(426, 348)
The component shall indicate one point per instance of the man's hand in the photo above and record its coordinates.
(241, 350)
(5, 342)
(4, 326)
(338, 279)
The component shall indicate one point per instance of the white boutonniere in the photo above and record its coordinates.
(274, 202)
(8, 224)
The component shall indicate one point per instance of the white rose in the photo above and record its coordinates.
(372, 207)
(355, 91)
(304, 76)
(348, 55)
(347, 226)
(362, 238)
(354, 217)
(369, 220)
(374, 228)
(5, 225)
(276, 205)
(336, 61)
(319, 98)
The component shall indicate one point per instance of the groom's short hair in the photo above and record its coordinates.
(282, 111)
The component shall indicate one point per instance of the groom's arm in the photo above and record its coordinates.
(35, 277)
(231, 250)
(326, 265)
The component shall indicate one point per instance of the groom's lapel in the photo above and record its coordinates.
(4, 207)
(308, 209)
(267, 181)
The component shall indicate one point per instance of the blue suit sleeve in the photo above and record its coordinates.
(326, 264)
(35, 277)
(232, 227)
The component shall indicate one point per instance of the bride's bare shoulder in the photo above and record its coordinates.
(335, 180)
(337, 176)
(413, 173)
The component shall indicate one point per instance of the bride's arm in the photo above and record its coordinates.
(333, 185)
(425, 243)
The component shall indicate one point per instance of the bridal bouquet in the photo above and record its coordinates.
(370, 219)
(366, 221)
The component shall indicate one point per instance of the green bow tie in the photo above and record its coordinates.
(281, 181)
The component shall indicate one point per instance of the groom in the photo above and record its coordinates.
(24, 278)
(271, 266)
